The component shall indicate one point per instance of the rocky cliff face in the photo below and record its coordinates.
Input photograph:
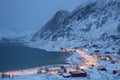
(51, 27)
(94, 23)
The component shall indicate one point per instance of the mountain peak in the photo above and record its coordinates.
(93, 22)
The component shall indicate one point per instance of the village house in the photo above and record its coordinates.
(79, 73)
(101, 68)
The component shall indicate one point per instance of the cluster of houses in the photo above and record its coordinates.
(108, 57)
(117, 71)
(68, 49)
(65, 71)
(97, 54)
(74, 70)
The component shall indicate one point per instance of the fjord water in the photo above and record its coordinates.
(14, 56)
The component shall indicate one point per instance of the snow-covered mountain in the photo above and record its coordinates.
(15, 35)
(93, 24)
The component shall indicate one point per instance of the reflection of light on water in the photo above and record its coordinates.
(21, 73)
(90, 59)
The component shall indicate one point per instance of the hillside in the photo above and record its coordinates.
(93, 24)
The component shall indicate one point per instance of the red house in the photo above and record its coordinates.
(78, 74)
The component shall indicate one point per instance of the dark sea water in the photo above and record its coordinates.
(15, 56)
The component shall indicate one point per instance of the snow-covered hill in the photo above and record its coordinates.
(15, 35)
(93, 24)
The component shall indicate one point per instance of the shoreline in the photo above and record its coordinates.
(32, 70)
(13, 67)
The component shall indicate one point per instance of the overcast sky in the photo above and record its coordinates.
(31, 14)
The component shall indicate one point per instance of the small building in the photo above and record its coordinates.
(108, 58)
(53, 71)
(107, 53)
(103, 58)
(76, 47)
(96, 51)
(78, 74)
(98, 56)
(63, 49)
(70, 49)
(118, 74)
(113, 62)
(41, 71)
(66, 75)
(115, 71)
(102, 68)
(83, 63)
(62, 70)
(118, 61)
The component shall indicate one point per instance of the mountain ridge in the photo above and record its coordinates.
(85, 25)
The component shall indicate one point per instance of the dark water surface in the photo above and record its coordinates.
(14, 56)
